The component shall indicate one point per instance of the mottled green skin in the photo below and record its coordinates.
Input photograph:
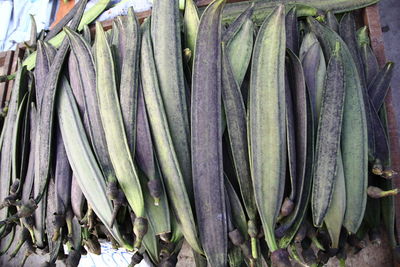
(111, 118)
(354, 143)
(163, 145)
(166, 40)
(347, 31)
(328, 138)
(335, 214)
(86, 74)
(129, 61)
(267, 130)
(82, 159)
(239, 40)
(159, 215)
(235, 114)
(19, 89)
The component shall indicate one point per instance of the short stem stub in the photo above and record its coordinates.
(140, 227)
(376, 192)
(253, 232)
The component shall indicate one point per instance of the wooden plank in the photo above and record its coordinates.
(3, 71)
(372, 20)
(2, 57)
(7, 64)
(107, 24)
(18, 54)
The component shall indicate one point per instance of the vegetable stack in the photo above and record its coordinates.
(256, 132)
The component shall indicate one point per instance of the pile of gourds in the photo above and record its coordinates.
(254, 131)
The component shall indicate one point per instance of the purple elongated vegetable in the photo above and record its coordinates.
(145, 156)
(42, 69)
(379, 85)
(206, 139)
(47, 107)
(291, 147)
(77, 199)
(63, 181)
(30, 173)
(92, 119)
(292, 31)
(40, 212)
(78, 88)
(332, 21)
(156, 201)
(18, 91)
(298, 128)
(367, 56)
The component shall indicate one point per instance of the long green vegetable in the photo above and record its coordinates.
(267, 121)
(169, 164)
(347, 31)
(83, 161)
(239, 40)
(130, 76)
(354, 143)
(113, 126)
(166, 39)
(158, 208)
(20, 87)
(335, 214)
(235, 113)
(328, 137)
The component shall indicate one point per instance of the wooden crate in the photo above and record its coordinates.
(6, 60)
